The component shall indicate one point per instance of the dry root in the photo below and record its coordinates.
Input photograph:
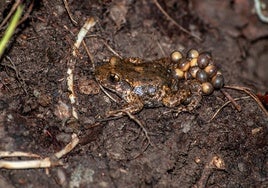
(41, 163)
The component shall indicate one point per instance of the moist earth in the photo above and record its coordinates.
(187, 150)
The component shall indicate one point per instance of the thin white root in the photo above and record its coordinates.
(71, 65)
(258, 7)
(69, 147)
(82, 33)
(42, 163)
(4, 154)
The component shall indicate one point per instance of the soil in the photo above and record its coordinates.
(187, 150)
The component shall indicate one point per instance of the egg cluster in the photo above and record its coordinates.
(199, 66)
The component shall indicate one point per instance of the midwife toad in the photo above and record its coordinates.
(147, 84)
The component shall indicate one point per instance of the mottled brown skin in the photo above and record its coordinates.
(149, 84)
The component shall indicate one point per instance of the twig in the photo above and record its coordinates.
(250, 93)
(89, 55)
(69, 12)
(230, 98)
(174, 22)
(216, 163)
(107, 45)
(141, 126)
(225, 104)
(26, 15)
(18, 75)
(161, 48)
(14, 7)
(111, 49)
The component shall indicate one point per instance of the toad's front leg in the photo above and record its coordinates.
(134, 104)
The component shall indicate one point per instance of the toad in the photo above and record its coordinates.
(150, 84)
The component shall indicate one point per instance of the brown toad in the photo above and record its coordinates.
(147, 84)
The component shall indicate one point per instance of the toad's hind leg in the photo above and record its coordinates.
(193, 100)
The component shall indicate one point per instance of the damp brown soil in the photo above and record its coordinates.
(187, 150)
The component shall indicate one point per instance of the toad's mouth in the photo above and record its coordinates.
(108, 90)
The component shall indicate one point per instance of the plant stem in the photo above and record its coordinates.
(10, 30)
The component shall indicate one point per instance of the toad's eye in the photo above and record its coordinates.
(114, 77)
